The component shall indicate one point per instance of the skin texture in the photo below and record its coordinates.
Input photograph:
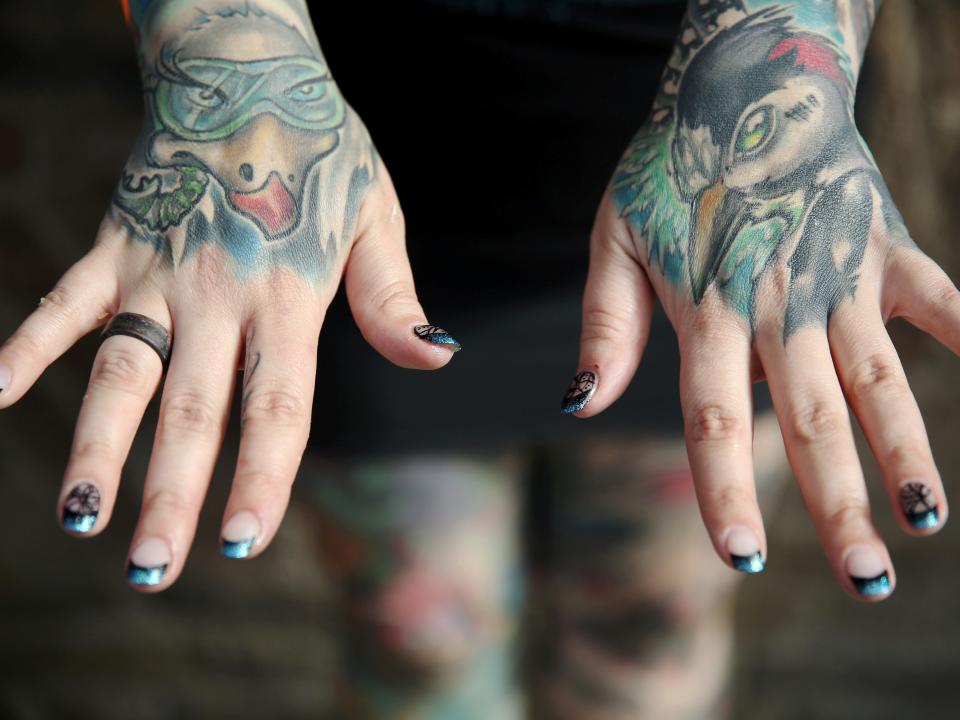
(750, 206)
(251, 190)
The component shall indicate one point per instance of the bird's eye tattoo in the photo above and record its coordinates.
(248, 144)
(750, 159)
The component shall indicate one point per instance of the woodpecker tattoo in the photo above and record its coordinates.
(751, 158)
(248, 141)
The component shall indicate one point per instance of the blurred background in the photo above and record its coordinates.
(253, 640)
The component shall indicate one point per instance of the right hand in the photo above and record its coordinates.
(750, 206)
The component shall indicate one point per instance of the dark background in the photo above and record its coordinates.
(253, 640)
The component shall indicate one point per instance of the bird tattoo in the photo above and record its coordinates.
(751, 158)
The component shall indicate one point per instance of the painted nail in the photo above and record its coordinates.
(6, 376)
(148, 563)
(81, 508)
(239, 535)
(579, 393)
(437, 336)
(867, 572)
(744, 550)
(919, 505)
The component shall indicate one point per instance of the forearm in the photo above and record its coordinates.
(155, 23)
(846, 24)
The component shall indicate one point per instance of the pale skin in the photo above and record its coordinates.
(248, 294)
(242, 285)
(808, 317)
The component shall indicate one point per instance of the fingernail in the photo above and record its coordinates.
(579, 393)
(148, 563)
(6, 376)
(437, 336)
(744, 550)
(867, 572)
(81, 508)
(919, 505)
(239, 535)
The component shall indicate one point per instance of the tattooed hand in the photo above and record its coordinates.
(751, 207)
(252, 188)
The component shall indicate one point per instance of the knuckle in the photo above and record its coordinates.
(396, 295)
(190, 411)
(815, 423)
(23, 344)
(711, 423)
(604, 325)
(876, 374)
(117, 368)
(908, 459)
(276, 407)
(60, 301)
(260, 484)
(847, 514)
(167, 503)
(94, 449)
(727, 497)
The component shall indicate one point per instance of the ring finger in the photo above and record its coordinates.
(813, 416)
(125, 376)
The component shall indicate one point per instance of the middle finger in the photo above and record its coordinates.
(193, 416)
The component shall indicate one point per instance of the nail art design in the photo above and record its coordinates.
(579, 393)
(751, 564)
(919, 505)
(437, 336)
(81, 508)
(872, 587)
(146, 576)
(238, 549)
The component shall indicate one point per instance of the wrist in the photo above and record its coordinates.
(226, 27)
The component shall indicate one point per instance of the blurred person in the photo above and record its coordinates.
(747, 204)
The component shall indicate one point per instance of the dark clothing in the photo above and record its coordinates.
(501, 131)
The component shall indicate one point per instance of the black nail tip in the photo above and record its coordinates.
(872, 587)
(438, 336)
(751, 564)
(580, 392)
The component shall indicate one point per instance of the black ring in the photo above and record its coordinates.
(143, 329)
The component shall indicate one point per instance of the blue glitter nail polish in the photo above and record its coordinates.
(78, 523)
(239, 549)
(872, 587)
(923, 521)
(81, 508)
(751, 564)
(579, 393)
(145, 576)
(437, 336)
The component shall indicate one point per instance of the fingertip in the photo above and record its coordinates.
(79, 512)
(869, 573)
(742, 548)
(242, 537)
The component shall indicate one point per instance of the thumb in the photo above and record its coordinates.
(382, 297)
(617, 309)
